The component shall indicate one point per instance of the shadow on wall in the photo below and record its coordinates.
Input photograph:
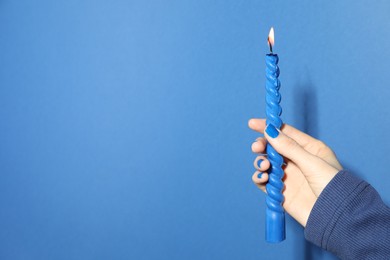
(306, 119)
(306, 112)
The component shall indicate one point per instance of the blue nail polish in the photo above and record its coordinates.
(259, 175)
(272, 131)
(259, 163)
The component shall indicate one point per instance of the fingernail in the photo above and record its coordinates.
(259, 175)
(259, 163)
(272, 131)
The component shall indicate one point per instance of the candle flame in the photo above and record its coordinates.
(271, 38)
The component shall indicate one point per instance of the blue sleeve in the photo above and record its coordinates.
(350, 220)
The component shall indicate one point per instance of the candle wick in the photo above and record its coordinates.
(270, 45)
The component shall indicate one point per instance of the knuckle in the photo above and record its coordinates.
(291, 145)
(322, 145)
(323, 148)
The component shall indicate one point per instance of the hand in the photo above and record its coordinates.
(310, 166)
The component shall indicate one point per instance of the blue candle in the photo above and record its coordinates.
(275, 217)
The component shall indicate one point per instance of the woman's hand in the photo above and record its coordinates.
(310, 166)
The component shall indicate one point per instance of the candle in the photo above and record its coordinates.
(275, 217)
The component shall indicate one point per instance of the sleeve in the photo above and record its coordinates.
(350, 220)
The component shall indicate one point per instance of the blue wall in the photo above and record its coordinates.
(123, 124)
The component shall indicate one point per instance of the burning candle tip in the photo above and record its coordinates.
(271, 39)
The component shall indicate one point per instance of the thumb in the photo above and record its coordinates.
(289, 148)
(318, 173)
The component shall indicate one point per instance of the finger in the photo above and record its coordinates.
(261, 163)
(300, 137)
(259, 125)
(289, 148)
(259, 145)
(260, 179)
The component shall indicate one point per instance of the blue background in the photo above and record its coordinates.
(123, 129)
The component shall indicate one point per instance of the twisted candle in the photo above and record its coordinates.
(275, 217)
